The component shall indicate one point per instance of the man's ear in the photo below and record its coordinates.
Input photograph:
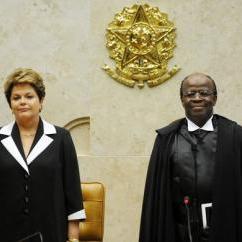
(215, 100)
(182, 100)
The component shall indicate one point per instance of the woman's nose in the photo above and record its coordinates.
(22, 100)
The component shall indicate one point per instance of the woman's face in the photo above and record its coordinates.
(25, 103)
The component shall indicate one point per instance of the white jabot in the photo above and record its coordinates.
(208, 126)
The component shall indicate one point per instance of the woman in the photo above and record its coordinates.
(39, 179)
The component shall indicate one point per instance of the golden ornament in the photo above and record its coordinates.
(141, 40)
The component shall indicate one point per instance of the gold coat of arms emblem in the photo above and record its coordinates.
(141, 40)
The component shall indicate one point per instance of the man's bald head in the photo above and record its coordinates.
(195, 76)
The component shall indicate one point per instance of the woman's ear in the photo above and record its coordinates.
(41, 104)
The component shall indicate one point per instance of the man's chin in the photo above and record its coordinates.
(199, 115)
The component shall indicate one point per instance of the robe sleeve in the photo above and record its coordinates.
(72, 187)
(157, 216)
(238, 133)
(148, 208)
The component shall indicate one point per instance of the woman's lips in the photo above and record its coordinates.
(23, 109)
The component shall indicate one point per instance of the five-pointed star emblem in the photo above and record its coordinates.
(141, 39)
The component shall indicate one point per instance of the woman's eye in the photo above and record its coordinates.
(30, 97)
(15, 98)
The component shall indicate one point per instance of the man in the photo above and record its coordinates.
(193, 190)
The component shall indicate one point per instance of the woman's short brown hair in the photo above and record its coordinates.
(24, 75)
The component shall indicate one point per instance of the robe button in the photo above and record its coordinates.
(26, 199)
(26, 211)
(26, 188)
(26, 176)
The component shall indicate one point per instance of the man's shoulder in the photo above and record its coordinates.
(225, 120)
(175, 125)
(172, 127)
(226, 123)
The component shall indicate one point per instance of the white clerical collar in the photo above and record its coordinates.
(208, 126)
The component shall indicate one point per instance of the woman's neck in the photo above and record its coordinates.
(28, 126)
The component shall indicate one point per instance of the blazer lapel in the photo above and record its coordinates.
(40, 146)
(43, 142)
(11, 147)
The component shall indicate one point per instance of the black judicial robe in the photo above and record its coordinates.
(38, 193)
(157, 224)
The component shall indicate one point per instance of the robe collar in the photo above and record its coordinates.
(43, 142)
(208, 126)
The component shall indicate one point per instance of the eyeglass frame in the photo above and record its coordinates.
(201, 93)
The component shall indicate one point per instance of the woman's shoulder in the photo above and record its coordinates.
(61, 131)
(50, 128)
(7, 128)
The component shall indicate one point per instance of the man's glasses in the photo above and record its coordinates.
(201, 93)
